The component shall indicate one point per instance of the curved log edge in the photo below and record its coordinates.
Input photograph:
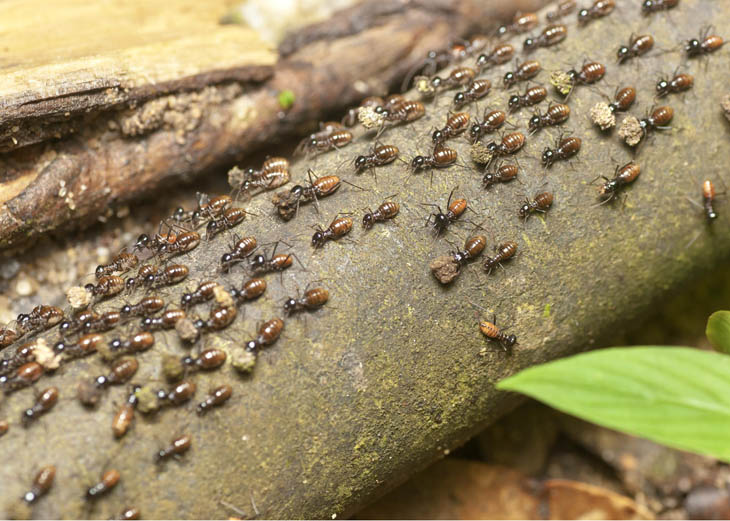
(120, 141)
(393, 372)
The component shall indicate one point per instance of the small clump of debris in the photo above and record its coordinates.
(423, 86)
(186, 330)
(480, 154)
(88, 393)
(78, 298)
(244, 361)
(726, 106)
(602, 115)
(562, 82)
(45, 356)
(631, 131)
(370, 119)
(286, 205)
(445, 268)
(236, 177)
(147, 401)
(222, 297)
(172, 367)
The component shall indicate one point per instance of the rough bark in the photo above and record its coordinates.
(105, 134)
(394, 372)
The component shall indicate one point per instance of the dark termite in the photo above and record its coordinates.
(524, 71)
(599, 9)
(679, 83)
(624, 175)
(387, 210)
(455, 125)
(476, 90)
(532, 96)
(177, 447)
(339, 227)
(637, 46)
(216, 398)
(441, 220)
(109, 480)
(492, 121)
(551, 35)
(268, 334)
(565, 148)
(122, 262)
(504, 251)
(492, 332)
(44, 403)
(504, 173)
(502, 53)
(540, 203)
(41, 484)
(554, 115)
(312, 299)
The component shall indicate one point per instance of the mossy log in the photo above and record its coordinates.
(132, 99)
(393, 372)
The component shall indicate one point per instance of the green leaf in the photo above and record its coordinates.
(286, 99)
(718, 331)
(673, 395)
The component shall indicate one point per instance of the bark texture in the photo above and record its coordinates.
(393, 371)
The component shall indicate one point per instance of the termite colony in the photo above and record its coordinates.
(497, 103)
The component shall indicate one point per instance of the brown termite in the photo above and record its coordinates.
(122, 262)
(312, 299)
(23, 355)
(144, 308)
(350, 119)
(251, 290)
(565, 148)
(441, 220)
(458, 77)
(176, 448)
(273, 173)
(77, 322)
(268, 334)
(624, 175)
(107, 286)
(242, 249)
(473, 247)
(129, 514)
(387, 210)
(184, 242)
(121, 371)
(623, 99)
(124, 416)
(652, 6)
(679, 83)
(540, 203)
(502, 53)
(524, 71)
(4, 427)
(455, 125)
(708, 199)
(287, 204)
(551, 35)
(216, 398)
(207, 207)
(231, 218)
(84, 346)
(153, 244)
(8, 336)
(555, 114)
(493, 332)
(167, 321)
(109, 480)
(379, 155)
(42, 483)
(220, 318)
(503, 174)
(261, 264)
(491, 122)
(588, 74)
(599, 9)
(44, 403)
(503, 252)
(172, 274)
(137, 342)
(564, 8)
(39, 319)
(521, 23)
(703, 45)
(510, 144)
(476, 90)
(25, 376)
(179, 394)
(403, 112)
(334, 140)
(143, 273)
(532, 96)
(339, 227)
(657, 120)
(637, 46)
(203, 293)
(441, 157)
(103, 322)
